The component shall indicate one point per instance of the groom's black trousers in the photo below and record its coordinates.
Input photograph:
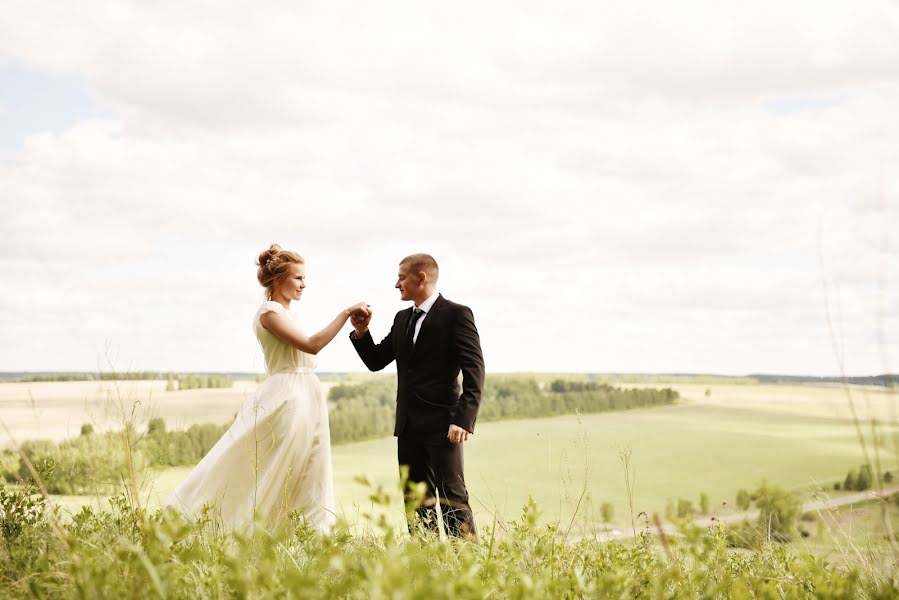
(438, 463)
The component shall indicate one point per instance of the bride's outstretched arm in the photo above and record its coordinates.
(287, 331)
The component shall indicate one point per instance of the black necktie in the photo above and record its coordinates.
(410, 329)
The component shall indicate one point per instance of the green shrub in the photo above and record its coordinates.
(685, 509)
(778, 511)
(156, 426)
(865, 478)
(10, 463)
(607, 510)
(860, 480)
(849, 482)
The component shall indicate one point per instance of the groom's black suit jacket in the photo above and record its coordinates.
(428, 396)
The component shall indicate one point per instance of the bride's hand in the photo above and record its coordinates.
(360, 320)
(358, 311)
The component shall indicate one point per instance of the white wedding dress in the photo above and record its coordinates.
(276, 456)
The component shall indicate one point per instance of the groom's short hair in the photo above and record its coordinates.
(422, 262)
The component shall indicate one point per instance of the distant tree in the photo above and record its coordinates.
(888, 477)
(87, 429)
(849, 482)
(704, 503)
(865, 478)
(708, 392)
(837, 486)
(744, 500)
(608, 512)
(156, 426)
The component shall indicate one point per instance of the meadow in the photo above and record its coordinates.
(717, 439)
(533, 483)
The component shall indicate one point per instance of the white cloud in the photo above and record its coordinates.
(635, 187)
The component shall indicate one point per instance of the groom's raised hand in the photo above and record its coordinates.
(360, 321)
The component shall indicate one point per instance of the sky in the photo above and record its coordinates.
(640, 187)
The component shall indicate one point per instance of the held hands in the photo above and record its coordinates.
(457, 435)
(360, 317)
(358, 311)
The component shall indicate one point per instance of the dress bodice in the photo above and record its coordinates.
(279, 356)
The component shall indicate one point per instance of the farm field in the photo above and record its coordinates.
(56, 410)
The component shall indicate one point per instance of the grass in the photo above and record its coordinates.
(128, 553)
(850, 536)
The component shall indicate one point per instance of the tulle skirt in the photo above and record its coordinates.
(275, 458)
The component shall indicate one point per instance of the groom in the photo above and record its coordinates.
(432, 343)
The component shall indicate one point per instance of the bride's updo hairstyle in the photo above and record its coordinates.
(274, 266)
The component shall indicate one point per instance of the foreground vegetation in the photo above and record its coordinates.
(125, 551)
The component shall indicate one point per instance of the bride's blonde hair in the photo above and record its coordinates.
(274, 266)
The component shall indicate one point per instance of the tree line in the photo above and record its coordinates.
(95, 376)
(365, 410)
(194, 382)
(862, 479)
(886, 379)
(184, 381)
(95, 463)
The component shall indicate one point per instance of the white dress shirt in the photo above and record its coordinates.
(425, 306)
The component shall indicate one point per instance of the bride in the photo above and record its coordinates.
(276, 456)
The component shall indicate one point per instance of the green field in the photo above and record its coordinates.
(795, 436)
(702, 445)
